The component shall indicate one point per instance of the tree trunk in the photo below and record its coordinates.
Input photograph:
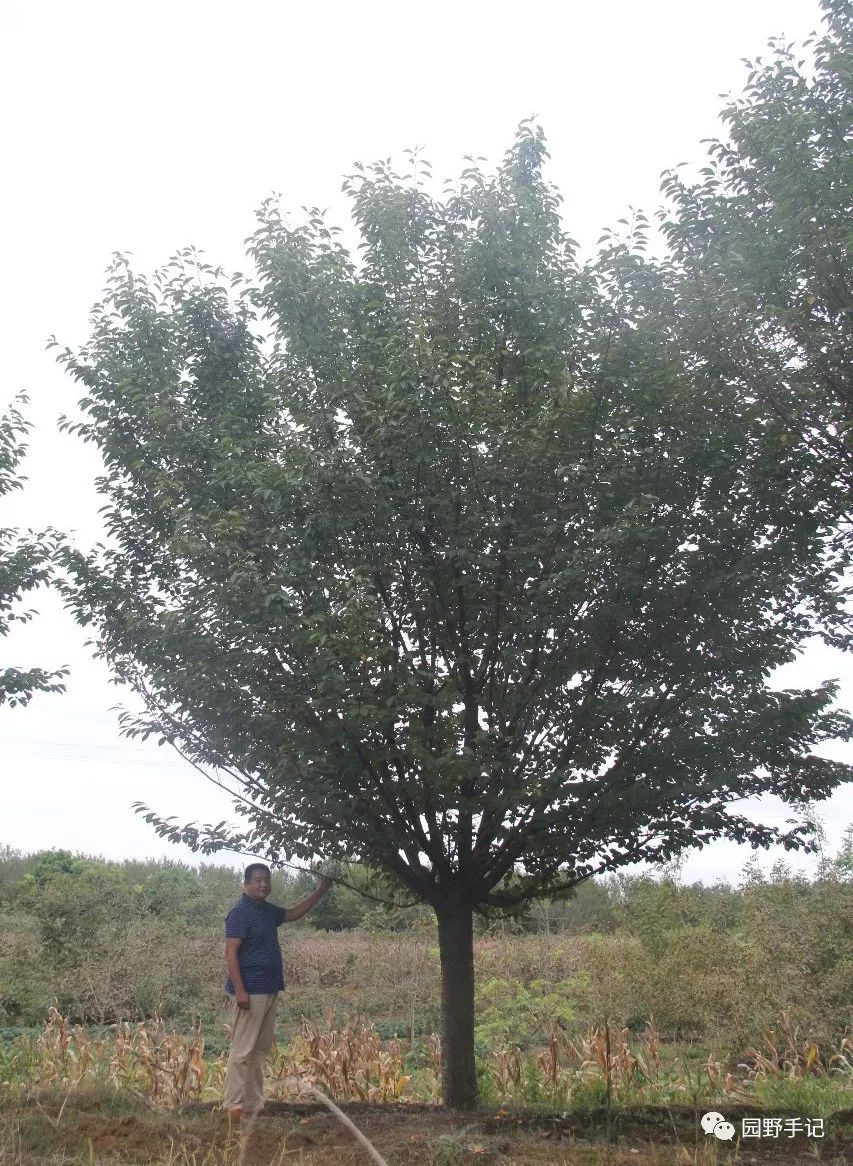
(456, 949)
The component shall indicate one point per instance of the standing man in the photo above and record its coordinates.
(255, 977)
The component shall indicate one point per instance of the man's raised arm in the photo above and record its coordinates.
(300, 909)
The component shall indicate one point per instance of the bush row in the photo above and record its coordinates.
(716, 965)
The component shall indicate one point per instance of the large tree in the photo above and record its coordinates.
(25, 564)
(452, 555)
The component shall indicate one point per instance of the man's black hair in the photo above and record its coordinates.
(252, 867)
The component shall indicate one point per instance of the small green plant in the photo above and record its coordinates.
(510, 1012)
(488, 1088)
(587, 1093)
(534, 1089)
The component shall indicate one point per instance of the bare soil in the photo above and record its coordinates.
(92, 1130)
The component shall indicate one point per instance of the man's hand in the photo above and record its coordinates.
(241, 999)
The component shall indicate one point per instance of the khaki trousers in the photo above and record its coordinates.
(252, 1037)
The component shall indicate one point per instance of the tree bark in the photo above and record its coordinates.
(456, 950)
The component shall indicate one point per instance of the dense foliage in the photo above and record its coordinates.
(25, 563)
(763, 243)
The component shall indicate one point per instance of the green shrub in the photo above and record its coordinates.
(510, 1012)
(588, 1093)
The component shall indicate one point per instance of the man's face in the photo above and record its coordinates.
(258, 886)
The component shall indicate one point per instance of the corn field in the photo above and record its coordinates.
(351, 1062)
(601, 1066)
(166, 1068)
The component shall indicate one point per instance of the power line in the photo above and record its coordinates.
(65, 744)
(129, 756)
(94, 760)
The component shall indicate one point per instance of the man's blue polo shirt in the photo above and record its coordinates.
(259, 955)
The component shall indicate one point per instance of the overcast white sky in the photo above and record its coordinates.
(150, 127)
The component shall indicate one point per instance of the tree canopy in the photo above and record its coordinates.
(25, 563)
(763, 242)
(464, 559)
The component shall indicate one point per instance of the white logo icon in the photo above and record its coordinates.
(716, 1124)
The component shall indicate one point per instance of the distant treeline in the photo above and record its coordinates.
(115, 941)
